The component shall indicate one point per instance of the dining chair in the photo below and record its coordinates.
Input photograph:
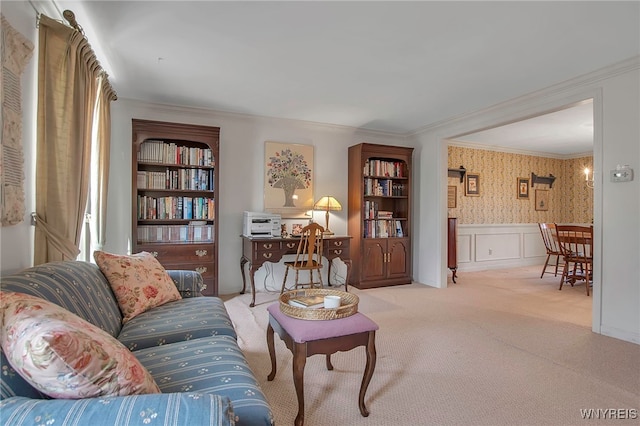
(576, 247)
(308, 256)
(549, 236)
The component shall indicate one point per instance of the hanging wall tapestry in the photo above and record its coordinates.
(16, 52)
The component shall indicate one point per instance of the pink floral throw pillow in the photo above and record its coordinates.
(64, 356)
(139, 282)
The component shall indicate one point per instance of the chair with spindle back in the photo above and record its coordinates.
(576, 246)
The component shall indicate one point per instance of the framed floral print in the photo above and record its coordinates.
(288, 181)
(542, 199)
(523, 188)
(472, 184)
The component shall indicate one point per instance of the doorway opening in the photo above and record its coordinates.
(497, 203)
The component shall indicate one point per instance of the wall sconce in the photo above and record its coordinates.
(588, 182)
(327, 203)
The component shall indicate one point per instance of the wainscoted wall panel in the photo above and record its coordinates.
(533, 246)
(500, 246)
(495, 246)
(570, 201)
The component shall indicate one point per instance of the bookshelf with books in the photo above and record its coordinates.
(379, 204)
(175, 194)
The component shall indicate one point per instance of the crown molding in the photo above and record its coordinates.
(470, 145)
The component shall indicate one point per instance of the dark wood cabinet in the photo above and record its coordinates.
(379, 205)
(174, 196)
(452, 246)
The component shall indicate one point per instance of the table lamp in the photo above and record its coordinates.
(327, 203)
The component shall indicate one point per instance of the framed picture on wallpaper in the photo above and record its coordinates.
(288, 180)
(523, 188)
(542, 200)
(472, 184)
(452, 196)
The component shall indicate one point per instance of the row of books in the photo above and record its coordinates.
(383, 229)
(188, 179)
(157, 151)
(372, 211)
(383, 187)
(175, 233)
(175, 208)
(374, 167)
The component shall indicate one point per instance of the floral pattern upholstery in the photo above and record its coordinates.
(142, 410)
(139, 281)
(210, 365)
(63, 355)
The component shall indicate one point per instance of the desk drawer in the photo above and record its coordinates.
(336, 244)
(268, 250)
(181, 253)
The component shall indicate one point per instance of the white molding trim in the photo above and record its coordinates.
(473, 145)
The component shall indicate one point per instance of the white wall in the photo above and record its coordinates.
(616, 94)
(241, 169)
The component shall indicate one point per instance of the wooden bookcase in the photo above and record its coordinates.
(175, 196)
(379, 220)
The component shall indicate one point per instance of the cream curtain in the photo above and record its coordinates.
(68, 74)
(100, 162)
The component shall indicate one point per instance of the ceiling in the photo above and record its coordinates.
(386, 66)
(567, 132)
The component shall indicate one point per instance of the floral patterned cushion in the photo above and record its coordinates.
(139, 282)
(63, 355)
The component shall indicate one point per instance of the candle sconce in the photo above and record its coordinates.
(542, 179)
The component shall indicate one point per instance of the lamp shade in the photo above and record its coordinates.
(327, 203)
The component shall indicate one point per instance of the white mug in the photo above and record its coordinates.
(331, 302)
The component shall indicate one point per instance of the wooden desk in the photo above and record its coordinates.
(258, 250)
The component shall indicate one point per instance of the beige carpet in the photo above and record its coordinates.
(499, 348)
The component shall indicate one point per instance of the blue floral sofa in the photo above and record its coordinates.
(188, 346)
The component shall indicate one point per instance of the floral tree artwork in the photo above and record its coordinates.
(288, 170)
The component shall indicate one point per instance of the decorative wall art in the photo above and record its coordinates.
(542, 199)
(288, 188)
(472, 184)
(452, 196)
(16, 52)
(523, 188)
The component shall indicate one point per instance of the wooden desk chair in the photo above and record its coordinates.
(576, 246)
(308, 256)
(550, 238)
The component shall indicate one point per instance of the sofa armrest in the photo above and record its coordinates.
(164, 408)
(189, 283)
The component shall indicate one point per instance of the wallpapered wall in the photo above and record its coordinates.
(570, 201)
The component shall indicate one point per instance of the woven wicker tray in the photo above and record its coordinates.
(348, 307)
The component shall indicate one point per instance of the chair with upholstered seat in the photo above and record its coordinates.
(576, 247)
(549, 236)
(308, 257)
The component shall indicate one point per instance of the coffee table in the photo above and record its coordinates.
(310, 337)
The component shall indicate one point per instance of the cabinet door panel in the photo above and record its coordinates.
(398, 258)
(373, 265)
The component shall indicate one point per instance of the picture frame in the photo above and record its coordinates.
(542, 200)
(288, 179)
(452, 196)
(522, 188)
(296, 228)
(472, 185)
